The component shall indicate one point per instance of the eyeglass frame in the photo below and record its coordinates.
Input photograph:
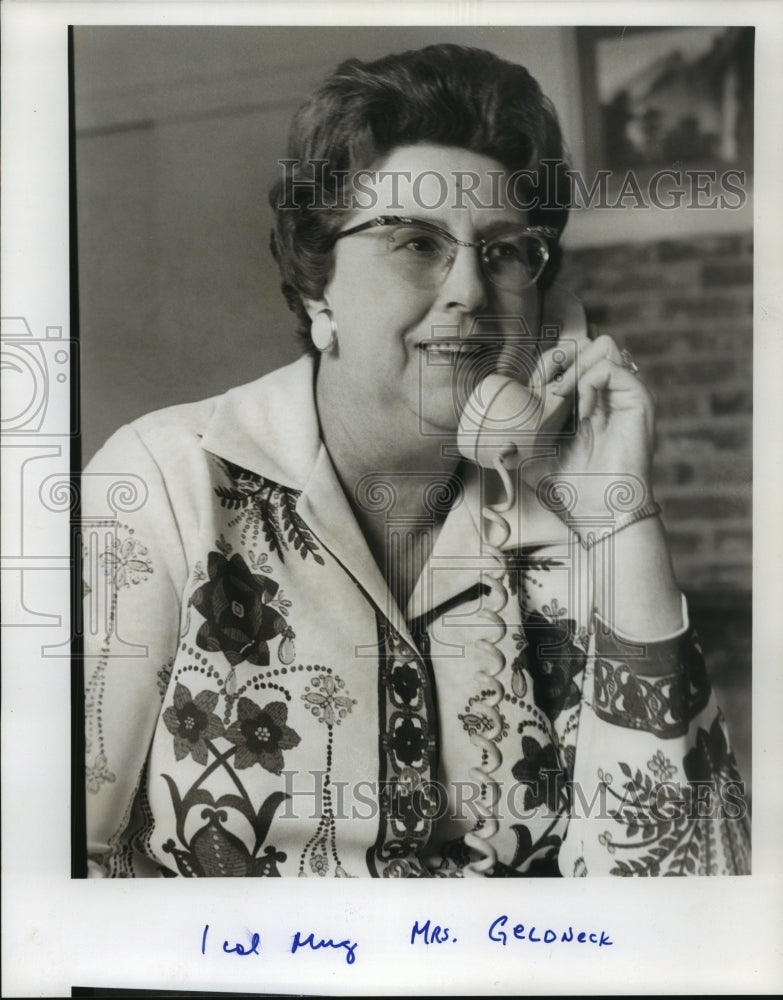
(382, 221)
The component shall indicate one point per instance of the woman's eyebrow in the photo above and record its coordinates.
(497, 226)
(493, 228)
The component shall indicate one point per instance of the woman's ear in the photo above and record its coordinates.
(314, 306)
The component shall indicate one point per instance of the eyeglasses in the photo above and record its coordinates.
(423, 253)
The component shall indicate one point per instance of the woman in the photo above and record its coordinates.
(338, 648)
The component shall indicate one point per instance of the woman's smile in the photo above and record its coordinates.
(448, 351)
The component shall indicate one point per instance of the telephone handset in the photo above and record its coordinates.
(502, 416)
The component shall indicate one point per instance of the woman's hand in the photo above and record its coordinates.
(603, 465)
(610, 445)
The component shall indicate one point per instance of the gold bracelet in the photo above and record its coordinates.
(649, 509)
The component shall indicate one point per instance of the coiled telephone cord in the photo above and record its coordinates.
(495, 532)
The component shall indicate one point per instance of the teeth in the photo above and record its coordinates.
(446, 348)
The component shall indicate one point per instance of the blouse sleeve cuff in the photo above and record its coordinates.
(653, 655)
(656, 686)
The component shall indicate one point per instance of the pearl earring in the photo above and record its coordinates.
(323, 331)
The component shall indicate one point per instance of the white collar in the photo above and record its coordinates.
(270, 427)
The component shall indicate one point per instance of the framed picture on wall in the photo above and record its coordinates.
(667, 98)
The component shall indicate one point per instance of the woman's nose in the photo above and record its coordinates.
(465, 286)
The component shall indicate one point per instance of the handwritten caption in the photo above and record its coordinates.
(501, 931)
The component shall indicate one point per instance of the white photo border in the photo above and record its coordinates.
(689, 936)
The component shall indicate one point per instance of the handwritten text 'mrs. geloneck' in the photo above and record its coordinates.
(422, 933)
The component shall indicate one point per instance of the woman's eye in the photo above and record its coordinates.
(504, 251)
(423, 244)
(418, 243)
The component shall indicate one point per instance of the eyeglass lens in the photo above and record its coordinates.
(423, 257)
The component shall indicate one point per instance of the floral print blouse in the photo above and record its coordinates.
(257, 704)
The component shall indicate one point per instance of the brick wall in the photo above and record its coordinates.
(684, 309)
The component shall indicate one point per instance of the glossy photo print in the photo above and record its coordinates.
(384, 507)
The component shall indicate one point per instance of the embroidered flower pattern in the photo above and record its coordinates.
(237, 606)
(711, 760)
(164, 676)
(661, 767)
(405, 682)
(319, 864)
(605, 840)
(258, 736)
(580, 868)
(125, 561)
(409, 741)
(98, 774)
(668, 829)
(265, 507)
(261, 734)
(554, 611)
(325, 700)
(192, 722)
(245, 613)
(214, 851)
(474, 722)
(541, 771)
(551, 652)
(411, 802)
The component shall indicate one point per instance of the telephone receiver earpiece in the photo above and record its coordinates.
(503, 417)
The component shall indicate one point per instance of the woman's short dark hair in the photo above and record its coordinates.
(448, 95)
